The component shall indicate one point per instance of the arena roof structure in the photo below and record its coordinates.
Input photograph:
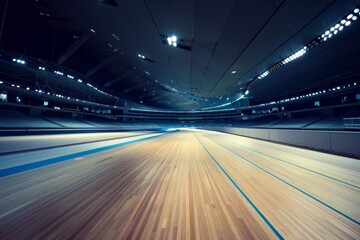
(188, 54)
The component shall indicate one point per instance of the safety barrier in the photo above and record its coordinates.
(340, 142)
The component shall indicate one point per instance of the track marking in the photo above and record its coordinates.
(68, 145)
(283, 144)
(296, 188)
(33, 165)
(307, 169)
(243, 194)
(17, 208)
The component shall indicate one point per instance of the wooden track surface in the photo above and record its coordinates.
(11, 144)
(186, 185)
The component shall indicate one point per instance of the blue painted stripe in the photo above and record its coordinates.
(244, 195)
(296, 188)
(33, 165)
(307, 169)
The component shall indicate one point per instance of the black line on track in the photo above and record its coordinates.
(68, 145)
(275, 231)
(332, 152)
(37, 164)
(290, 184)
(235, 144)
(104, 159)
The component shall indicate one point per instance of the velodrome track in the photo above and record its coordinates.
(184, 185)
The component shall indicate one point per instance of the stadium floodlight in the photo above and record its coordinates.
(172, 41)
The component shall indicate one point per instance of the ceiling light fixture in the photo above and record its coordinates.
(326, 35)
(59, 73)
(330, 32)
(18, 61)
(172, 41)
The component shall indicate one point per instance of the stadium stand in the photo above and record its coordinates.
(15, 119)
(295, 122)
(327, 123)
(69, 123)
(335, 122)
(352, 123)
(102, 123)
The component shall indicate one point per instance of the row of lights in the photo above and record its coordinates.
(173, 39)
(90, 85)
(222, 105)
(72, 77)
(241, 96)
(226, 104)
(346, 21)
(95, 88)
(62, 74)
(295, 55)
(340, 25)
(320, 39)
(313, 94)
(45, 14)
(333, 89)
(79, 80)
(59, 95)
(114, 36)
(291, 58)
(264, 74)
(59, 73)
(19, 61)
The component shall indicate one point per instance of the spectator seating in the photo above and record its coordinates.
(69, 123)
(15, 119)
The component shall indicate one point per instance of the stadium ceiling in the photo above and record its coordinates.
(221, 46)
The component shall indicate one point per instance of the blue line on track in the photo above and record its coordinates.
(29, 166)
(335, 179)
(298, 189)
(244, 195)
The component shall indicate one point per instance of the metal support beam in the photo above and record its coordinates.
(75, 46)
(101, 64)
(129, 90)
(118, 79)
(3, 20)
